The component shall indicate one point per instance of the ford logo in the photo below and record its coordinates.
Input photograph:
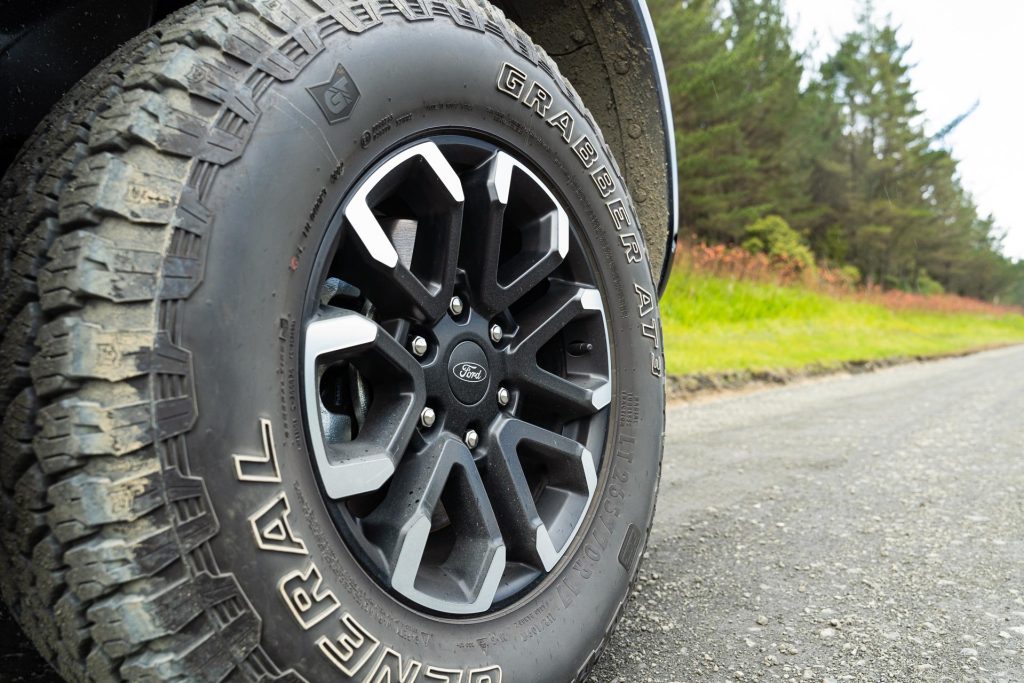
(468, 371)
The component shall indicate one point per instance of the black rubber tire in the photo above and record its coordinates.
(158, 234)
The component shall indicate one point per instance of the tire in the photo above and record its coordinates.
(164, 241)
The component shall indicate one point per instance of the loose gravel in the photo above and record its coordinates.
(865, 528)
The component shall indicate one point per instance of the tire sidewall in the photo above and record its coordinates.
(243, 325)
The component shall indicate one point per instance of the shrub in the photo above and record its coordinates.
(772, 235)
(851, 274)
(926, 285)
(736, 263)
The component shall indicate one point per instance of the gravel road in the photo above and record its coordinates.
(866, 528)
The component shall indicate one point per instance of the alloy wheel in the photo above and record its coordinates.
(456, 375)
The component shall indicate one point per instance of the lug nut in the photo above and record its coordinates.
(496, 333)
(419, 346)
(471, 438)
(427, 417)
(502, 396)
(455, 306)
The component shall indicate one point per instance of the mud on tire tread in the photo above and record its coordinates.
(102, 224)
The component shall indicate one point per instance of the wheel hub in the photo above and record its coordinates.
(467, 373)
(453, 422)
(464, 373)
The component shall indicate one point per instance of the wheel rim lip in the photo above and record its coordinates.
(327, 250)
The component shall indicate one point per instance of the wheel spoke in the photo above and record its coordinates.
(563, 303)
(538, 531)
(579, 394)
(501, 189)
(467, 579)
(575, 397)
(486, 213)
(352, 466)
(408, 264)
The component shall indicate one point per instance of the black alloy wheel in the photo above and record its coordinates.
(456, 375)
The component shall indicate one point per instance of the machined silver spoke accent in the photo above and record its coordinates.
(410, 263)
(467, 580)
(579, 394)
(538, 531)
(501, 189)
(352, 466)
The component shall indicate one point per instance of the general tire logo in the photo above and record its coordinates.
(468, 371)
(346, 644)
(337, 97)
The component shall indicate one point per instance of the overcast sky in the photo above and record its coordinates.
(963, 51)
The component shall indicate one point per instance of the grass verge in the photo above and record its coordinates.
(714, 324)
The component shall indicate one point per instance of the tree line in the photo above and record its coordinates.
(837, 150)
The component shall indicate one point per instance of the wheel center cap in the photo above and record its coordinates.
(468, 374)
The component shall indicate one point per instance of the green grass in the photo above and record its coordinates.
(715, 324)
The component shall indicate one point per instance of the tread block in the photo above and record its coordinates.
(181, 276)
(47, 567)
(180, 66)
(199, 529)
(124, 621)
(207, 655)
(16, 352)
(84, 502)
(106, 185)
(15, 439)
(289, 20)
(72, 350)
(283, 15)
(26, 263)
(177, 487)
(413, 10)
(191, 215)
(84, 265)
(238, 36)
(71, 621)
(184, 271)
(147, 117)
(120, 554)
(463, 16)
(30, 496)
(100, 666)
(72, 430)
(354, 17)
(42, 201)
(174, 416)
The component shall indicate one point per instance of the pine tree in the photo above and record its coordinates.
(734, 83)
(713, 159)
(841, 156)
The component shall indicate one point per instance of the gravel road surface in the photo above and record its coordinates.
(866, 528)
